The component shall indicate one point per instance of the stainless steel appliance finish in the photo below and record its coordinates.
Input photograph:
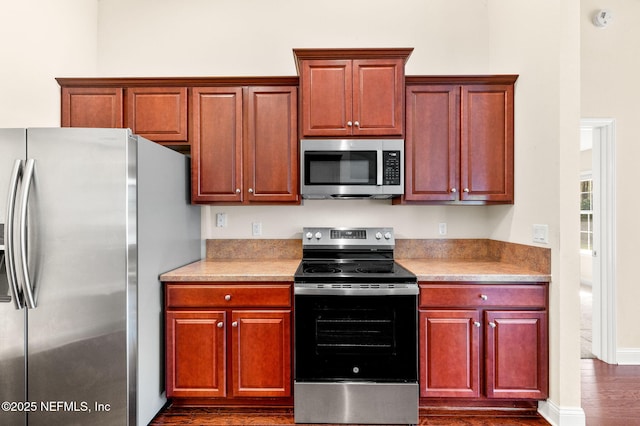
(351, 168)
(356, 402)
(355, 358)
(92, 218)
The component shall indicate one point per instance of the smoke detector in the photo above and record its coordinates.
(602, 18)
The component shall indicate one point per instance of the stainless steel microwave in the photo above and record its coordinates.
(351, 168)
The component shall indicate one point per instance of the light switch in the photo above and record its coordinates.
(541, 234)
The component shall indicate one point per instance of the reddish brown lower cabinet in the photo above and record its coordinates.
(228, 342)
(483, 342)
(449, 353)
(261, 344)
(196, 354)
(516, 354)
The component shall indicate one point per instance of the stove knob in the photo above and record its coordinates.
(387, 235)
(309, 235)
(318, 235)
(378, 235)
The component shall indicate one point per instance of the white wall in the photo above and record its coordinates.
(252, 37)
(610, 89)
(40, 40)
(256, 37)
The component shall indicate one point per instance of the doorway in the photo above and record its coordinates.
(598, 235)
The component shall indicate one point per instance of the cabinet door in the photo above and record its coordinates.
(432, 143)
(216, 152)
(261, 351)
(271, 145)
(378, 99)
(158, 113)
(327, 97)
(92, 107)
(195, 345)
(449, 353)
(516, 354)
(486, 156)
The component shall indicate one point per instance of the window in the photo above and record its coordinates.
(586, 213)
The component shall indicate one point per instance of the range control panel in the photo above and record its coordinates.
(347, 236)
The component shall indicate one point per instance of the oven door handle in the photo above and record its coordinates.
(323, 291)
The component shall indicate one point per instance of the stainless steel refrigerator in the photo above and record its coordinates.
(91, 218)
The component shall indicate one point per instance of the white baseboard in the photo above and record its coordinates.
(561, 416)
(628, 356)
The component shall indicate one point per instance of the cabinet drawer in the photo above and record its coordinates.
(468, 295)
(222, 296)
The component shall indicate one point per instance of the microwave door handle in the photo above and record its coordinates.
(379, 171)
(28, 180)
(9, 249)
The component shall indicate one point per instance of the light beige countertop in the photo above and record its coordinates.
(468, 270)
(256, 270)
(226, 270)
(465, 260)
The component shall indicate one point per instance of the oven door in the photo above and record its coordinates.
(356, 338)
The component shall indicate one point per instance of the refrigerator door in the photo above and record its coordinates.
(12, 320)
(81, 259)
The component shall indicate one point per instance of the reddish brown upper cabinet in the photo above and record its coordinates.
(92, 107)
(152, 108)
(351, 92)
(158, 113)
(245, 146)
(459, 140)
(228, 341)
(483, 342)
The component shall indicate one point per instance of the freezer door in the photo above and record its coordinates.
(81, 201)
(12, 320)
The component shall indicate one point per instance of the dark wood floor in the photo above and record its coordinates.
(610, 393)
(284, 416)
(610, 397)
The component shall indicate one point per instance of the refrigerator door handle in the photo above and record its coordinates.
(22, 228)
(9, 249)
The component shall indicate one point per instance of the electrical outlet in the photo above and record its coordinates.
(541, 234)
(221, 220)
(256, 228)
(442, 228)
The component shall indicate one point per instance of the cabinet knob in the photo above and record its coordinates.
(234, 324)
(357, 124)
(454, 190)
(349, 124)
(477, 324)
(484, 297)
(466, 190)
(492, 324)
(250, 190)
(237, 190)
(220, 324)
(227, 297)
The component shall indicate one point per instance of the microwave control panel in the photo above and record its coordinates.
(391, 167)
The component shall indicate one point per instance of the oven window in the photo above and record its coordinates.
(340, 167)
(351, 332)
(356, 338)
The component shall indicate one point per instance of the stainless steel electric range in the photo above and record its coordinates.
(356, 330)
